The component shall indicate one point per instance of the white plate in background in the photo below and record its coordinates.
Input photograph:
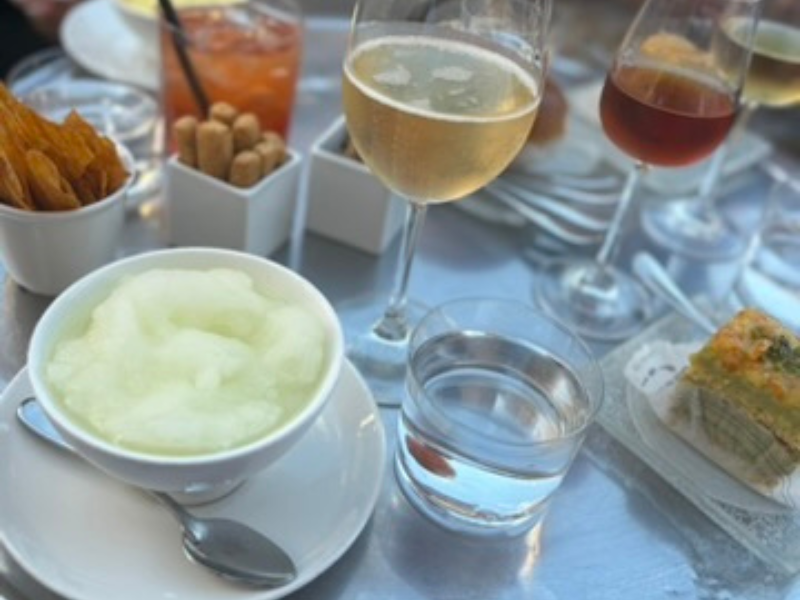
(97, 37)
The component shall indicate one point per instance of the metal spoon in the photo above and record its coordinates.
(658, 281)
(228, 548)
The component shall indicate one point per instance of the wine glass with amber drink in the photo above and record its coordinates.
(695, 226)
(669, 99)
(439, 97)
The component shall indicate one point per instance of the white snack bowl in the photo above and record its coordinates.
(345, 201)
(191, 478)
(204, 211)
(45, 252)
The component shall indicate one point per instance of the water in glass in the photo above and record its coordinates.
(488, 431)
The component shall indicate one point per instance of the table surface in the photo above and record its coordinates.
(614, 531)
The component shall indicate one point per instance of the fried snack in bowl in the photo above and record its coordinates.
(62, 193)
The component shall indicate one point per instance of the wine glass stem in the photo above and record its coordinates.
(393, 325)
(710, 183)
(605, 255)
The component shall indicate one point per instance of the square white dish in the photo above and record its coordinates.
(346, 202)
(204, 211)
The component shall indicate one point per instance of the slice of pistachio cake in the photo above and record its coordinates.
(742, 388)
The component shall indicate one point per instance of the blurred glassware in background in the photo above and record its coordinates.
(119, 111)
(39, 69)
(695, 226)
(770, 275)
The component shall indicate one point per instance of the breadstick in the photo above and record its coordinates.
(245, 169)
(246, 132)
(223, 112)
(214, 149)
(271, 157)
(185, 132)
(277, 146)
(273, 139)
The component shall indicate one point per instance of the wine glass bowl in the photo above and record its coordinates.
(670, 99)
(696, 227)
(663, 117)
(438, 102)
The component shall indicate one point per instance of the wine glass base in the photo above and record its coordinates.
(601, 304)
(680, 228)
(381, 361)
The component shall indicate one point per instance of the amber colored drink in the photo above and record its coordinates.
(668, 118)
(254, 67)
(436, 119)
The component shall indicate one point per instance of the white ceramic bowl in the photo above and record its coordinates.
(197, 478)
(45, 252)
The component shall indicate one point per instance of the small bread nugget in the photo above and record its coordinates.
(246, 132)
(12, 189)
(245, 169)
(276, 149)
(214, 149)
(274, 139)
(271, 157)
(223, 112)
(185, 132)
(50, 190)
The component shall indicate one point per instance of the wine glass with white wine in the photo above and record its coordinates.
(439, 97)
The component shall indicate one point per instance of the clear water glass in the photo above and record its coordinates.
(770, 276)
(499, 398)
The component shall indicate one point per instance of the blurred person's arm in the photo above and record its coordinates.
(45, 16)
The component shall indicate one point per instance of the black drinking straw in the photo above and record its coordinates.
(179, 42)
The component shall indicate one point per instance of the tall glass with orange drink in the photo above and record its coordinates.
(247, 54)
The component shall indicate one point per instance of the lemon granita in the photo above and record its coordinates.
(186, 362)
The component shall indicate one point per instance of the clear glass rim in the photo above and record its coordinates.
(592, 382)
(285, 11)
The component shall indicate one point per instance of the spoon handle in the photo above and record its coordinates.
(658, 281)
(181, 515)
(30, 414)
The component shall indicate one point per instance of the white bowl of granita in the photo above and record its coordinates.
(186, 370)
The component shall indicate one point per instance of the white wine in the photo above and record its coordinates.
(436, 119)
(774, 75)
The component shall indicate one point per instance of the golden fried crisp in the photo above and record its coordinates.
(50, 166)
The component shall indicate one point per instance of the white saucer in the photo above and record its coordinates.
(87, 537)
(96, 37)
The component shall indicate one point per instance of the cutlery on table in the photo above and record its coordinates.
(230, 549)
(655, 277)
(571, 234)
